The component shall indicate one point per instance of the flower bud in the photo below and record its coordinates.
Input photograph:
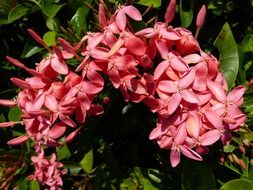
(106, 100)
(201, 17)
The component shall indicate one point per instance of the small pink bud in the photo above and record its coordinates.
(102, 15)
(72, 135)
(20, 83)
(66, 46)
(15, 62)
(106, 100)
(242, 149)
(242, 164)
(7, 102)
(7, 124)
(36, 37)
(201, 17)
(18, 140)
(170, 12)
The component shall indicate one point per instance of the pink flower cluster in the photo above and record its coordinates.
(162, 66)
(47, 172)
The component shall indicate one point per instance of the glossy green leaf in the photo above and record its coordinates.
(242, 69)
(50, 38)
(17, 12)
(138, 179)
(238, 184)
(78, 21)
(23, 184)
(2, 118)
(30, 49)
(154, 3)
(51, 24)
(34, 185)
(87, 162)
(50, 8)
(250, 176)
(185, 16)
(73, 167)
(63, 152)
(197, 176)
(14, 114)
(247, 43)
(233, 167)
(228, 148)
(4, 21)
(248, 136)
(229, 58)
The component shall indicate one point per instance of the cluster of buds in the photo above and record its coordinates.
(161, 66)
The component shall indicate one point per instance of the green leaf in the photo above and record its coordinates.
(233, 167)
(87, 162)
(50, 38)
(229, 57)
(2, 118)
(185, 16)
(30, 49)
(23, 184)
(14, 114)
(51, 24)
(247, 43)
(4, 21)
(138, 179)
(73, 167)
(197, 176)
(154, 3)
(17, 12)
(248, 136)
(34, 185)
(63, 152)
(238, 184)
(78, 21)
(50, 8)
(228, 148)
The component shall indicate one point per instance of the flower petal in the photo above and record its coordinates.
(181, 135)
(132, 12)
(162, 48)
(167, 86)
(160, 69)
(187, 78)
(193, 126)
(174, 102)
(18, 140)
(135, 45)
(210, 137)
(217, 90)
(121, 19)
(189, 96)
(59, 66)
(236, 94)
(57, 130)
(51, 103)
(177, 64)
(174, 158)
(214, 119)
(190, 153)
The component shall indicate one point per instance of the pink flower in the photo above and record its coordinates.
(130, 11)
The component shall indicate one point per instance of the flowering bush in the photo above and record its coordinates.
(160, 66)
